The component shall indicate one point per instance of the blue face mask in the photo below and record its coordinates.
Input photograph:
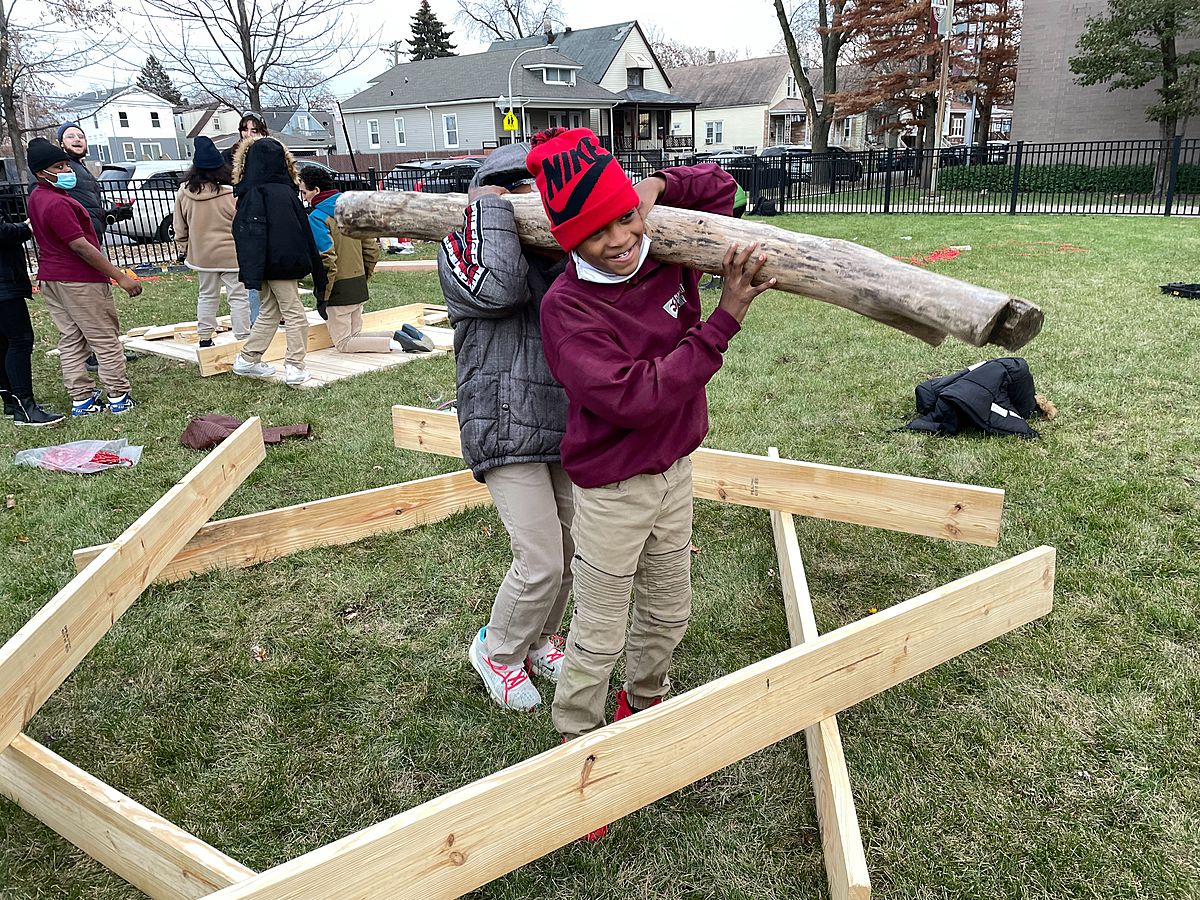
(65, 180)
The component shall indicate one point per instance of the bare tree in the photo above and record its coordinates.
(822, 18)
(239, 51)
(673, 54)
(508, 20)
(34, 54)
(298, 86)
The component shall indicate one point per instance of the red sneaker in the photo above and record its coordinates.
(625, 708)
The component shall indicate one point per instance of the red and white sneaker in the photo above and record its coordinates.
(509, 685)
(546, 661)
(625, 709)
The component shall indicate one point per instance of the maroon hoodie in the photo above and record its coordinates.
(634, 357)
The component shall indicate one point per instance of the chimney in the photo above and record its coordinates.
(547, 27)
(712, 57)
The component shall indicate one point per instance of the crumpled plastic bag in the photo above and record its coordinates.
(82, 457)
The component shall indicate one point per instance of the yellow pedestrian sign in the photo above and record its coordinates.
(510, 121)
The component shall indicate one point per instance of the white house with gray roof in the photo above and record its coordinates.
(125, 124)
(455, 105)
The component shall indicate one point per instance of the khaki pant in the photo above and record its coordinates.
(534, 502)
(209, 302)
(631, 537)
(86, 316)
(279, 300)
(345, 330)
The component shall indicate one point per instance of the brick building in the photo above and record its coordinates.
(1050, 105)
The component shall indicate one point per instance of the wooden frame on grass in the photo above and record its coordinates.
(450, 845)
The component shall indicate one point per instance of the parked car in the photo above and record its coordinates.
(449, 176)
(405, 176)
(345, 181)
(149, 188)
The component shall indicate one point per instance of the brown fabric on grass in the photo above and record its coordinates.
(205, 432)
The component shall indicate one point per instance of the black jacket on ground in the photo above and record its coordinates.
(510, 408)
(996, 397)
(14, 271)
(270, 227)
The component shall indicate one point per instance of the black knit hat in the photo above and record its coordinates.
(42, 154)
(207, 155)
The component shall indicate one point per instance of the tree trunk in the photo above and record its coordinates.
(914, 300)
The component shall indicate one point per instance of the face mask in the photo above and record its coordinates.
(65, 180)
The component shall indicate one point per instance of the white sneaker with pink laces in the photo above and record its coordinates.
(546, 661)
(509, 685)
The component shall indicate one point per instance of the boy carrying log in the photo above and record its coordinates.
(623, 335)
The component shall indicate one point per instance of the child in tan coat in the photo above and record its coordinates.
(203, 219)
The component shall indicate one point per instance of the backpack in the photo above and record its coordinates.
(765, 207)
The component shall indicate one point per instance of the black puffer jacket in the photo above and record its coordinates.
(510, 408)
(270, 227)
(14, 272)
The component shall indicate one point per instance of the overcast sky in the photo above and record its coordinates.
(748, 27)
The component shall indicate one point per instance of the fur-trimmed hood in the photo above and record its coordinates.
(262, 160)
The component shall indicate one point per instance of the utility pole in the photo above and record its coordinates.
(394, 49)
(942, 15)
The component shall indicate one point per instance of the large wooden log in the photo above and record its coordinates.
(914, 300)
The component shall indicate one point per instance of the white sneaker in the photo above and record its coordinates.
(243, 366)
(295, 374)
(547, 660)
(509, 685)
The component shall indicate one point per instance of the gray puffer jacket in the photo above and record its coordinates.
(510, 408)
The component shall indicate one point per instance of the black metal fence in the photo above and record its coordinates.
(1112, 177)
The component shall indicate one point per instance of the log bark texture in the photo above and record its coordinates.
(914, 300)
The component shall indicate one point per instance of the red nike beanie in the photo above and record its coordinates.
(583, 187)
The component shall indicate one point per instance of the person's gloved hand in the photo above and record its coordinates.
(119, 213)
(323, 309)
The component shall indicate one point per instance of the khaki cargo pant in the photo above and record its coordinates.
(534, 502)
(86, 316)
(633, 537)
(279, 300)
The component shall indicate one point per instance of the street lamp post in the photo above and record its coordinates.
(513, 138)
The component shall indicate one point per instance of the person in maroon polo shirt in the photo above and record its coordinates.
(75, 281)
(623, 334)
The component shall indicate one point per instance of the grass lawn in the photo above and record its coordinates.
(1056, 762)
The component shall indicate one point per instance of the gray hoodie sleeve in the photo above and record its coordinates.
(483, 272)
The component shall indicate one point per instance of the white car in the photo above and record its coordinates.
(149, 189)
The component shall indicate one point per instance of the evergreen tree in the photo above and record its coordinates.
(154, 78)
(430, 38)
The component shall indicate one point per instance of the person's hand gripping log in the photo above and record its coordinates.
(739, 269)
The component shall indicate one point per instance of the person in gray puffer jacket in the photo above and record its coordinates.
(512, 415)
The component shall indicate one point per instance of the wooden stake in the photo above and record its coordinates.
(462, 840)
(941, 509)
(845, 861)
(155, 856)
(219, 358)
(39, 657)
(914, 300)
(247, 540)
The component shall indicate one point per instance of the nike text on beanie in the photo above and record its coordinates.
(582, 185)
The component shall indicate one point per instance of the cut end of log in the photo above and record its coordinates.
(1017, 325)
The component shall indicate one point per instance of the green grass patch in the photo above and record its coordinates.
(1058, 761)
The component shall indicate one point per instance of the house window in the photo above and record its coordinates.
(957, 125)
(791, 86)
(643, 126)
(152, 151)
(714, 132)
(303, 123)
(216, 123)
(373, 133)
(102, 153)
(123, 119)
(633, 77)
(400, 132)
(130, 151)
(552, 75)
(95, 121)
(154, 121)
(450, 129)
(847, 129)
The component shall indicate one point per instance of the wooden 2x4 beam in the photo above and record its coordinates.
(219, 358)
(259, 537)
(39, 657)
(841, 839)
(156, 857)
(462, 840)
(940, 509)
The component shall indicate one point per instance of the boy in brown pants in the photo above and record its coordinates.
(75, 281)
(623, 334)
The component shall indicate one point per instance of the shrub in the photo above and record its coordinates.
(1066, 178)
